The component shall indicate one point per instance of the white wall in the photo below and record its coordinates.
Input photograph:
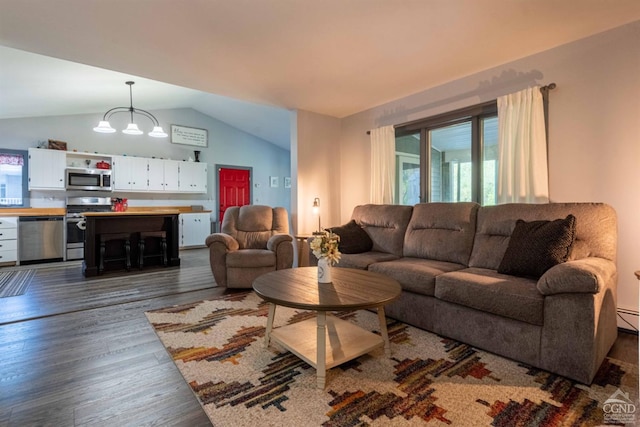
(316, 147)
(227, 146)
(594, 124)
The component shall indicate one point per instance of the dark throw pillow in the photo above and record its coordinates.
(537, 246)
(353, 238)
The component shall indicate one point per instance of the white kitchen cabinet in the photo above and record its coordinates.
(193, 177)
(130, 173)
(155, 175)
(163, 175)
(194, 228)
(158, 175)
(8, 239)
(171, 175)
(47, 169)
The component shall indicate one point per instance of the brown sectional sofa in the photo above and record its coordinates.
(446, 257)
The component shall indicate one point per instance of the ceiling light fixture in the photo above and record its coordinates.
(132, 128)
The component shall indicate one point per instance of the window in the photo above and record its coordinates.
(13, 178)
(449, 158)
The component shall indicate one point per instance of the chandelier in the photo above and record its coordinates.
(132, 128)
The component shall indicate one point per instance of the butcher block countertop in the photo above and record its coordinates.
(146, 210)
(33, 212)
(136, 212)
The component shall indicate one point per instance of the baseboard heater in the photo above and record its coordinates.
(628, 320)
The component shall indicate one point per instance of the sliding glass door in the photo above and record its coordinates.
(451, 167)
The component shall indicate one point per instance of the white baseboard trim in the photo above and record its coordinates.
(628, 319)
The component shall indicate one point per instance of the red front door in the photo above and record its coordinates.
(234, 189)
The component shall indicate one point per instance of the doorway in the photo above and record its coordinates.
(234, 188)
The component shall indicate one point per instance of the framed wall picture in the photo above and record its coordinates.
(287, 182)
(189, 136)
(273, 181)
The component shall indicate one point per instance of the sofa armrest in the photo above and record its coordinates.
(229, 242)
(587, 275)
(219, 245)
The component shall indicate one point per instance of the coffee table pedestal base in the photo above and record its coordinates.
(326, 341)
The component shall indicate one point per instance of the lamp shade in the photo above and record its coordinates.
(316, 211)
(158, 132)
(104, 127)
(132, 129)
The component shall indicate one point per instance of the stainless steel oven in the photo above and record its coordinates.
(75, 238)
(75, 221)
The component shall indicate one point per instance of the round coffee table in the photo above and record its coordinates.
(326, 341)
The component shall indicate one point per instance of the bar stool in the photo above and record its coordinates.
(143, 236)
(108, 237)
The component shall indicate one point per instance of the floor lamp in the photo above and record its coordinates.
(316, 211)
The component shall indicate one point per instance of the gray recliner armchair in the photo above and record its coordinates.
(254, 240)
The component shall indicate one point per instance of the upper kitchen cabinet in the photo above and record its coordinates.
(193, 177)
(171, 175)
(135, 174)
(164, 175)
(130, 173)
(143, 174)
(47, 169)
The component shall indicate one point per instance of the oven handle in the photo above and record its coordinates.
(80, 222)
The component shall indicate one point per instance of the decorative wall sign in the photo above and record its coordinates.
(273, 181)
(287, 182)
(189, 136)
(57, 145)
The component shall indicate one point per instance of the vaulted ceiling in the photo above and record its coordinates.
(264, 57)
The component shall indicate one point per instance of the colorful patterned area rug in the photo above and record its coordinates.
(15, 283)
(218, 346)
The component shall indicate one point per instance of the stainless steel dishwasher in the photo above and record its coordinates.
(40, 239)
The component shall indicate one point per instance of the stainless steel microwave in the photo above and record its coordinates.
(88, 179)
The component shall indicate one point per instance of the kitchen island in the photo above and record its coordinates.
(127, 227)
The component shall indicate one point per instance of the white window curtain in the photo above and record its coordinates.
(522, 148)
(383, 165)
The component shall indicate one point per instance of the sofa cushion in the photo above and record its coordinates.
(596, 229)
(364, 260)
(487, 290)
(353, 238)
(415, 274)
(385, 224)
(536, 246)
(441, 231)
(251, 258)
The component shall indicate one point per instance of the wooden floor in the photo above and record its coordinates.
(86, 355)
(79, 352)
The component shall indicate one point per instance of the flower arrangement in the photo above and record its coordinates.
(326, 246)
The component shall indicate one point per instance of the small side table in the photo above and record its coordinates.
(301, 243)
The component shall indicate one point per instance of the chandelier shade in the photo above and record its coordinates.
(132, 128)
(104, 127)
